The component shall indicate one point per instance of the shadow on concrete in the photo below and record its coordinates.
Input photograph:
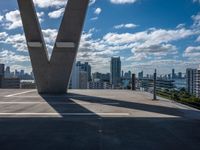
(61, 108)
(132, 105)
(100, 133)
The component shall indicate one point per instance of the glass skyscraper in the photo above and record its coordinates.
(115, 69)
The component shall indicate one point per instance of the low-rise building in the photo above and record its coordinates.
(11, 83)
(99, 85)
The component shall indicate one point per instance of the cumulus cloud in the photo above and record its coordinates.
(196, 20)
(155, 36)
(7, 56)
(57, 13)
(128, 25)
(97, 11)
(3, 35)
(198, 39)
(12, 19)
(146, 45)
(50, 3)
(196, 1)
(1, 18)
(54, 3)
(158, 50)
(94, 18)
(192, 52)
(123, 1)
(92, 2)
(18, 41)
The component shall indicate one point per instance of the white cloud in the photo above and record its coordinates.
(122, 1)
(50, 38)
(27, 68)
(50, 3)
(13, 19)
(54, 3)
(3, 35)
(182, 25)
(57, 13)
(196, 19)
(7, 56)
(196, 1)
(1, 18)
(128, 25)
(198, 39)
(92, 2)
(17, 41)
(157, 50)
(94, 18)
(98, 11)
(155, 36)
(192, 52)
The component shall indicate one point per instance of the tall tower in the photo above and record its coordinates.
(191, 80)
(2, 66)
(115, 69)
(197, 83)
(173, 74)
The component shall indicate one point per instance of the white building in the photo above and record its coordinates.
(197, 84)
(193, 81)
(99, 85)
(79, 79)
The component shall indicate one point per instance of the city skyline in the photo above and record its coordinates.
(143, 39)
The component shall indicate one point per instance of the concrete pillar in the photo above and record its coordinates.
(52, 74)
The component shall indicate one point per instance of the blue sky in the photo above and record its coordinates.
(146, 34)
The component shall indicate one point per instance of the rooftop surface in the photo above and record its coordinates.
(95, 120)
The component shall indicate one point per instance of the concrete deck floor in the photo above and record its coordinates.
(95, 120)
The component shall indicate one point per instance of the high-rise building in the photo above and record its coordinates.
(191, 80)
(75, 77)
(79, 78)
(115, 69)
(85, 67)
(127, 75)
(173, 74)
(2, 66)
(180, 75)
(7, 72)
(140, 75)
(198, 82)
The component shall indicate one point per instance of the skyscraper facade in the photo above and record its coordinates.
(115, 69)
(191, 80)
(85, 67)
(173, 74)
(140, 75)
(198, 82)
(2, 66)
(79, 78)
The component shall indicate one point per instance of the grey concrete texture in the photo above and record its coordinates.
(52, 74)
(95, 120)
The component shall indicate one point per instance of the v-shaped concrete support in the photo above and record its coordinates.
(52, 75)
